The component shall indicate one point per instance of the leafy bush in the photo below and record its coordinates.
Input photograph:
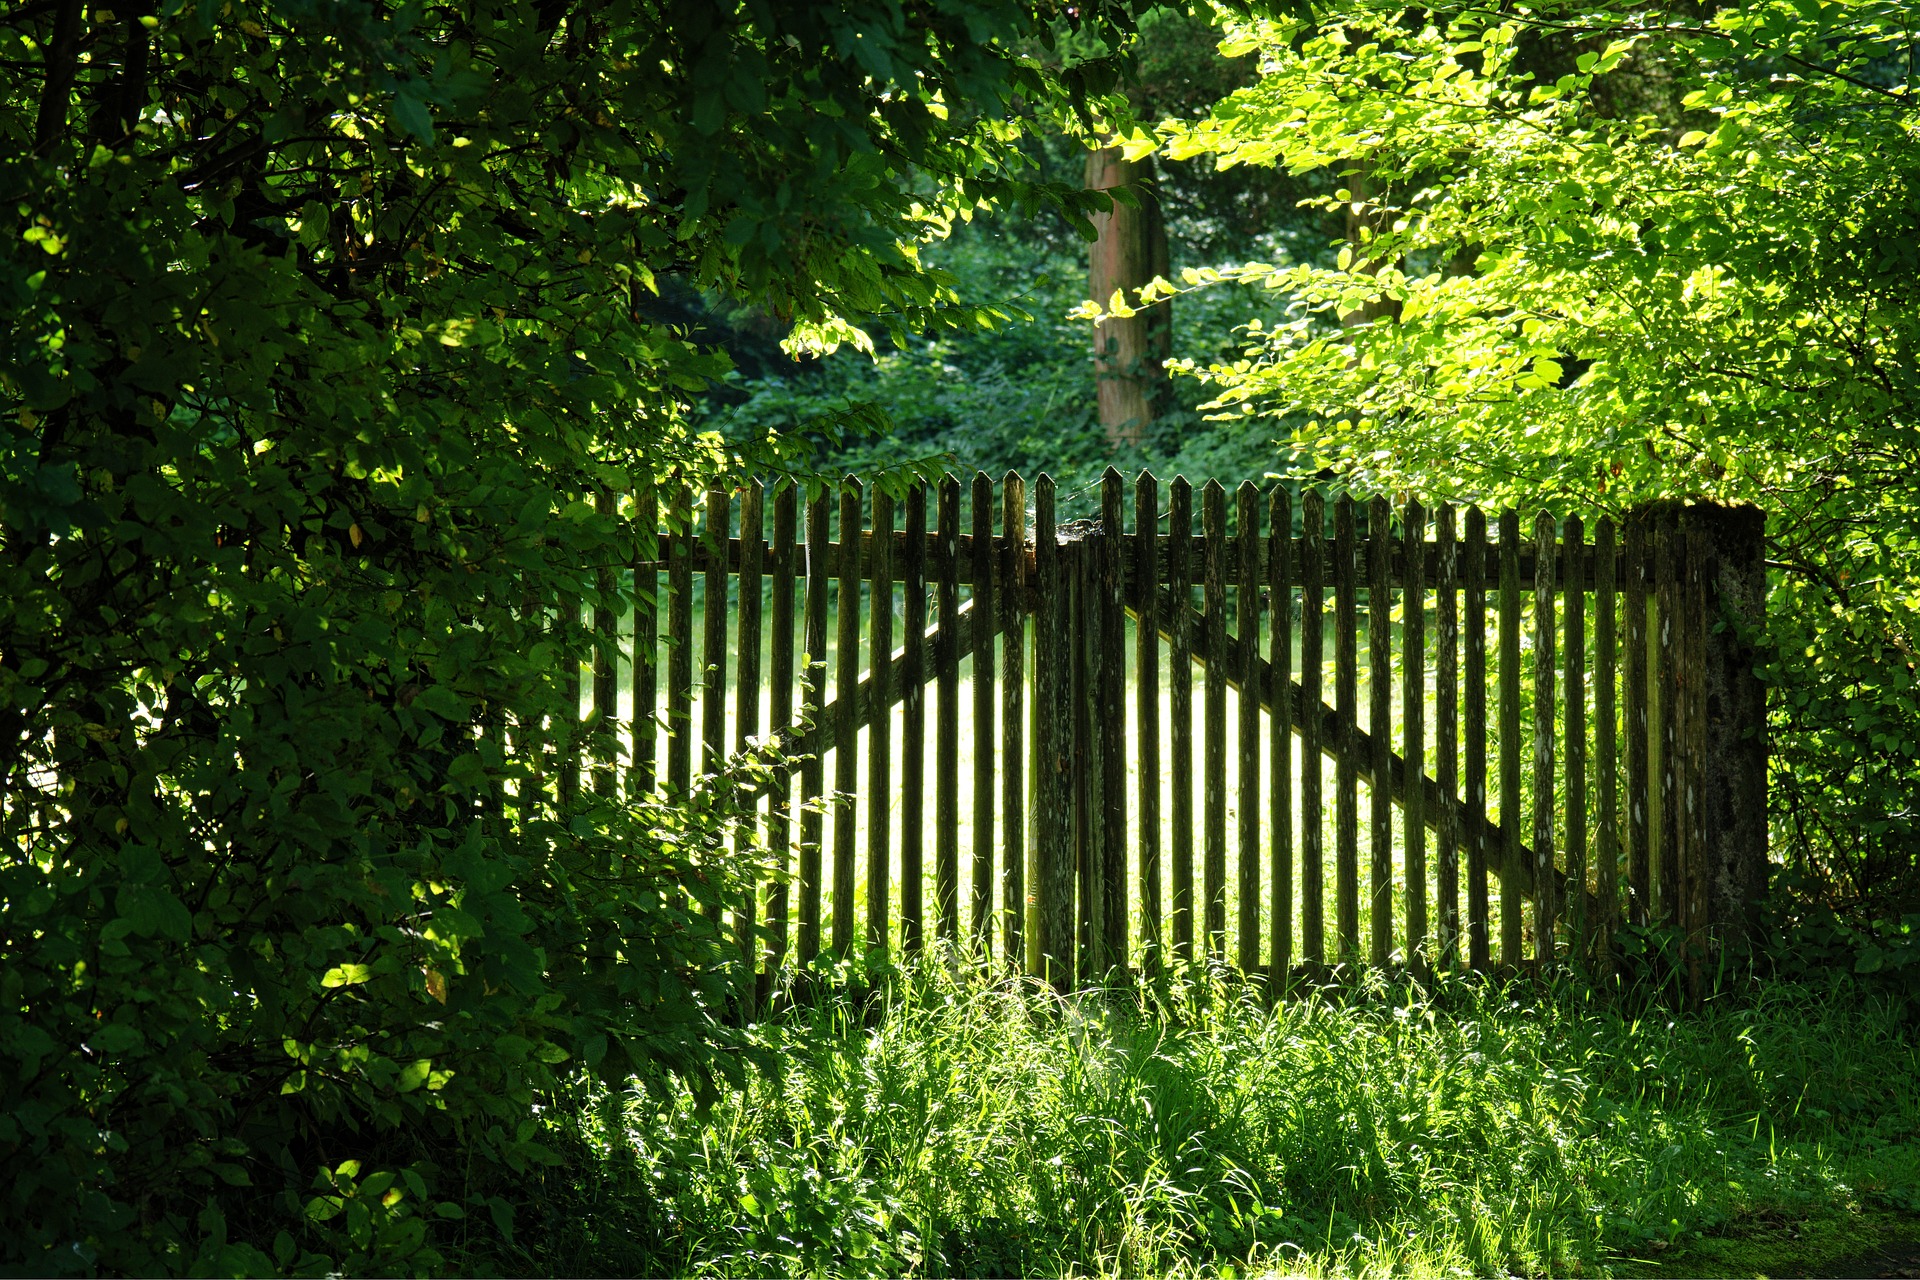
(322, 374)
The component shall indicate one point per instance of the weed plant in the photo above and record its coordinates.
(952, 1125)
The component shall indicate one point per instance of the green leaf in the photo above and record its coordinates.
(347, 975)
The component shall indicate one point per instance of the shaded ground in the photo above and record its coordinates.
(1840, 1241)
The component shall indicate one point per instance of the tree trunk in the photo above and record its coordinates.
(1366, 220)
(1130, 354)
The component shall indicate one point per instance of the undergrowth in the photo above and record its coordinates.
(955, 1126)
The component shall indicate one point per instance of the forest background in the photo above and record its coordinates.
(325, 324)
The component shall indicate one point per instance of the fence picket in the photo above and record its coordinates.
(606, 665)
(746, 716)
(1545, 895)
(880, 734)
(846, 738)
(780, 829)
(1146, 569)
(1346, 797)
(1013, 757)
(713, 636)
(1606, 760)
(1213, 521)
(946, 766)
(813, 767)
(646, 646)
(1313, 810)
(913, 727)
(1446, 733)
(1110, 735)
(1510, 869)
(1413, 704)
(1280, 743)
(983, 700)
(1180, 709)
(1479, 927)
(1380, 726)
(1574, 698)
(1247, 654)
(680, 644)
(1052, 944)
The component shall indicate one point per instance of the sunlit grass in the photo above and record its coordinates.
(968, 1128)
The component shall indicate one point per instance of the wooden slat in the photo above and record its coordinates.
(646, 652)
(1180, 712)
(746, 718)
(1052, 943)
(813, 766)
(982, 727)
(1013, 716)
(713, 638)
(1545, 908)
(1413, 709)
(780, 832)
(1346, 699)
(1146, 686)
(1380, 725)
(1510, 939)
(962, 560)
(680, 648)
(1446, 732)
(1213, 518)
(1111, 726)
(913, 726)
(1638, 726)
(1574, 697)
(1280, 949)
(1247, 651)
(1606, 729)
(846, 737)
(1313, 809)
(606, 665)
(1474, 832)
(1667, 603)
(879, 795)
(946, 766)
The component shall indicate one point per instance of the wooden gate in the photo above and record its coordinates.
(1485, 741)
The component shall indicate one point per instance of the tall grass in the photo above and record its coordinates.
(963, 1127)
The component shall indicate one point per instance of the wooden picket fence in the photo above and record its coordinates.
(1512, 710)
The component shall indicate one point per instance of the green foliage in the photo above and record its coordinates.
(974, 1129)
(1017, 396)
(1683, 269)
(323, 332)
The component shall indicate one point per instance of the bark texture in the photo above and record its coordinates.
(1130, 354)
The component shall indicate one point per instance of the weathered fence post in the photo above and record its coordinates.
(1734, 790)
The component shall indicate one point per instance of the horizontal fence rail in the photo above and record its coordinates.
(1080, 749)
